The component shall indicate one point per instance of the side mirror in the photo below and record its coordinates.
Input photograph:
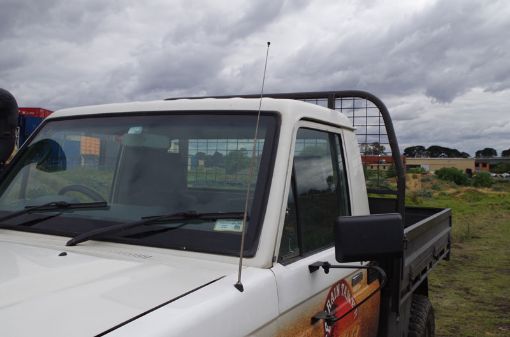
(48, 156)
(368, 237)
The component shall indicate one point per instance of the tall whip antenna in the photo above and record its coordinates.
(239, 285)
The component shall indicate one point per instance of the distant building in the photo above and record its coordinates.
(467, 165)
(377, 162)
(485, 164)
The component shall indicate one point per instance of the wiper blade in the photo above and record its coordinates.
(55, 206)
(29, 222)
(191, 215)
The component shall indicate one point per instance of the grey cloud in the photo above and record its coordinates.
(17, 14)
(178, 67)
(192, 56)
(479, 121)
(75, 21)
(256, 16)
(444, 51)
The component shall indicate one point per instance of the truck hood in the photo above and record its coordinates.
(46, 292)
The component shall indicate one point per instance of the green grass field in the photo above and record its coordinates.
(471, 292)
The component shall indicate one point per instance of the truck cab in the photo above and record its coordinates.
(141, 218)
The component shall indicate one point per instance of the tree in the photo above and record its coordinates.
(505, 153)
(200, 156)
(236, 161)
(216, 160)
(436, 151)
(488, 152)
(373, 149)
(415, 151)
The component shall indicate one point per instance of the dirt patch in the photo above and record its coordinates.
(501, 304)
(505, 328)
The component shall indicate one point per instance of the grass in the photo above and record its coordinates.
(471, 292)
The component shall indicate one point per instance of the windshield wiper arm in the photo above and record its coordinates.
(55, 206)
(191, 215)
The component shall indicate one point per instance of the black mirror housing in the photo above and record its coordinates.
(48, 156)
(368, 237)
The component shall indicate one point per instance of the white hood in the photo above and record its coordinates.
(44, 294)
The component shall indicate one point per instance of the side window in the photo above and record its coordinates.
(319, 194)
(343, 191)
(289, 247)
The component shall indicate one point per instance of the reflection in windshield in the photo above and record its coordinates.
(139, 165)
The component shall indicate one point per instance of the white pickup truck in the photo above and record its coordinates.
(127, 220)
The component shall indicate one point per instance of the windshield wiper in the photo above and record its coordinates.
(191, 215)
(54, 206)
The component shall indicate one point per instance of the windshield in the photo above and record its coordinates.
(143, 166)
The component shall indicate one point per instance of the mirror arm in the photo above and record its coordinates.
(327, 266)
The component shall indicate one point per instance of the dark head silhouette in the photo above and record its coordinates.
(8, 123)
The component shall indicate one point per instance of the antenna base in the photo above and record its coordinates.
(239, 286)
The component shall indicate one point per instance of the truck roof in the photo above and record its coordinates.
(290, 110)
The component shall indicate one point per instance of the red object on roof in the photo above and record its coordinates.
(35, 112)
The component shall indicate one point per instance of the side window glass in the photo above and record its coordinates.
(289, 246)
(343, 191)
(318, 196)
(315, 188)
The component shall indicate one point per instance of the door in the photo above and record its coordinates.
(318, 193)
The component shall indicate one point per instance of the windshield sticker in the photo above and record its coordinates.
(228, 225)
(135, 130)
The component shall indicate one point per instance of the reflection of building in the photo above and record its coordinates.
(466, 165)
(485, 164)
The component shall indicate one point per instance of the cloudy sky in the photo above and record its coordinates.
(442, 67)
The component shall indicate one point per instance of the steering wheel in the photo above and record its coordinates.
(82, 189)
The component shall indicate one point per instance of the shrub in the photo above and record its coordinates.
(414, 198)
(424, 193)
(501, 168)
(391, 172)
(436, 187)
(483, 179)
(452, 174)
(419, 170)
